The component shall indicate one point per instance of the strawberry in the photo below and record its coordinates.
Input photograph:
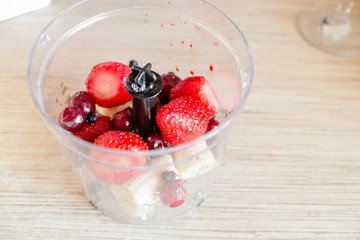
(117, 140)
(182, 120)
(92, 131)
(124, 141)
(106, 83)
(199, 88)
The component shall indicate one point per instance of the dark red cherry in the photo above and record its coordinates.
(156, 141)
(84, 101)
(123, 120)
(169, 81)
(72, 118)
(212, 124)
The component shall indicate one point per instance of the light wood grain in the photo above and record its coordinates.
(291, 167)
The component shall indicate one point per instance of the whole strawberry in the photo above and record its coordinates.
(182, 120)
(106, 83)
(198, 88)
(117, 140)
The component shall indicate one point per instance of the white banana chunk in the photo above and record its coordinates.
(111, 111)
(202, 160)
(143, 189)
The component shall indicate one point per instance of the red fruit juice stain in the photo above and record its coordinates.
(177, 69)
(182, 42)
(169, 2)
(197, 28)
(171, 24)
(171, 44)
(191, 45)
(211, 67)
(146, 15)
(185, 22)
(216, 44)
(162, 25)
(60, 104)
(192, 72)
(179, 16)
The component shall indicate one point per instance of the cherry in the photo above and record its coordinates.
(212, 124)
(159, 106)
(156, 141)
(173, 193)
(84, 101)
(169, 81)
(72, 118)
(123, 120)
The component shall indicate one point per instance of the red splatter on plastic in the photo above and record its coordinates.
(191, 45)
(182, 42)
(211, 67)
(60, 104)
(172, 24)
(162, 25)
(216, 44)
(179, 16)
(192, 72)
(185, 22)
(171, 44)
(197, 28)
(146, 15)
(177, 69)
(169, 2)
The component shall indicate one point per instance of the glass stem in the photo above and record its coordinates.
(343, 9)
(341, 13)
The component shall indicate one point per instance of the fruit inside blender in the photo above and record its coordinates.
(131, 108)
(185, 109)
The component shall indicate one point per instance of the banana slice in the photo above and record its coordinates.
(111, 111)
(143, 189)
(198, 165)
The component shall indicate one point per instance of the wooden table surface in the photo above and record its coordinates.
(292, 162)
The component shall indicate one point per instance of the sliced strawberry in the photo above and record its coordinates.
(92, 131)
(106, 83)
(182, 120)
(117, 140)
(199, 88)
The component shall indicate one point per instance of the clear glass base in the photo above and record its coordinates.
(328, 32)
